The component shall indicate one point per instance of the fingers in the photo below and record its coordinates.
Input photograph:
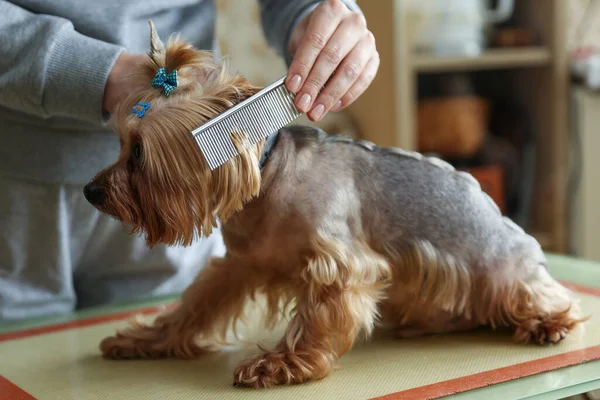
(333, 47)
(322, 25)
(341, 43)
(348, 72)
(360, 85)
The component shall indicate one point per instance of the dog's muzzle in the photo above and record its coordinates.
(94, 193)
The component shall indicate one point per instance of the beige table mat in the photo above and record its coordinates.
(63, 362)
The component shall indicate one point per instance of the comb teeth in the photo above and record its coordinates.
(258, 116)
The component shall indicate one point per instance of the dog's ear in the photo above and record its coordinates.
(156, 45)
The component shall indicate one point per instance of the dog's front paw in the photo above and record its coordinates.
(122, 348)
(268, 370)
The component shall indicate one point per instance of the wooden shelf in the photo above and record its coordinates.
(491, 59)
(387, 113)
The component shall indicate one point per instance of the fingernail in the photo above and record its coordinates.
(337, 106)
(317, 112)
(295, 83)
(304, 102)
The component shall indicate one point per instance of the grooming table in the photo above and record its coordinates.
(59, 359)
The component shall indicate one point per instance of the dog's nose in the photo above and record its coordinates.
(94, 193)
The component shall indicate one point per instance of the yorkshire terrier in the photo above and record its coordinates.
(349, 234)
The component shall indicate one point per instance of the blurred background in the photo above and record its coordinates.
(505, 89)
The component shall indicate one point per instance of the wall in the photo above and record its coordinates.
(583, 21)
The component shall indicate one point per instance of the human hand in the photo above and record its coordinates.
(331, 38)
(117, 87)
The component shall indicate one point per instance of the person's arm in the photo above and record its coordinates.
(47, 68)
(322, 42)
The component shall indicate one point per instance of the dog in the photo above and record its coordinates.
(346, 235)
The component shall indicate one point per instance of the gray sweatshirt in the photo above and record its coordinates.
(55, 56)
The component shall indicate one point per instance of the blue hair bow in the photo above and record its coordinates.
(140, 109)
(164, 81)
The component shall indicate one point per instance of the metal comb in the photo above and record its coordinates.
(258, 116)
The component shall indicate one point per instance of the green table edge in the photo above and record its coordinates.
(555, 384)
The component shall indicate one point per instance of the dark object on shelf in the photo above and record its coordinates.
(453, 126)
(451, 119)
(513, 37)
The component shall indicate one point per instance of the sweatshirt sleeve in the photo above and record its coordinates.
(280, 17)
(47, 68)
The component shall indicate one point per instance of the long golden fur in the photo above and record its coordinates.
(317, 230)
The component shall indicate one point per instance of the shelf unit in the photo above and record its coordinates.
(491, 59)
(385, 113)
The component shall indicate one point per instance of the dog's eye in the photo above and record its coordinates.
(137, 151)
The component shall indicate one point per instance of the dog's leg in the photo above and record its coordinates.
(208, 306)
(342, 286)
(538, 308)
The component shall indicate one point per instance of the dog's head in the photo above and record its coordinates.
(160, 183)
